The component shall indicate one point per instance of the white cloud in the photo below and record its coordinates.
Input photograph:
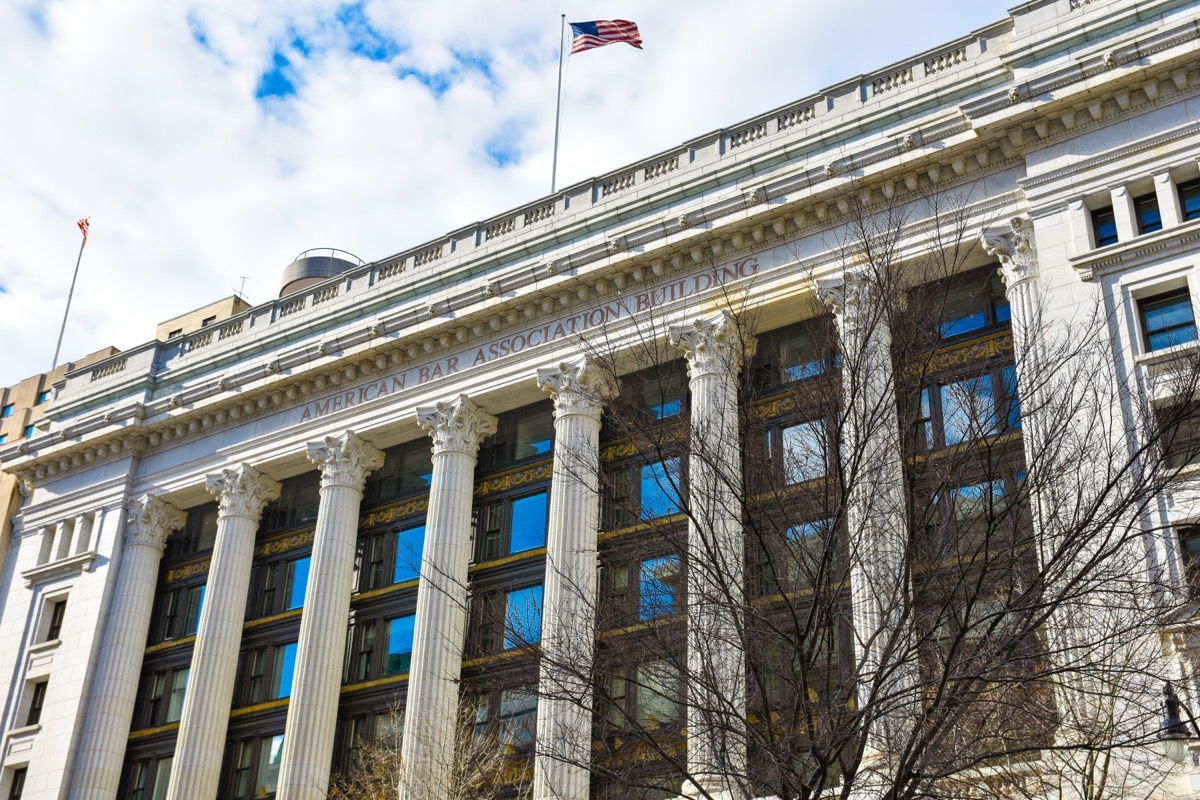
(144, 117)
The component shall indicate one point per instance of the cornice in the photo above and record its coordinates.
(1178, 239)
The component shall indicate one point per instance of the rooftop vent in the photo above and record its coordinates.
(314, 266)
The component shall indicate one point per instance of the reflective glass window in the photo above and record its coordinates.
(660, 489)
(523, 617)
(410, 544)
(659, 582)
(1167, 319)
(529, 517)
(399, 645)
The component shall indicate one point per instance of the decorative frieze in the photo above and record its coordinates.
(408, 508)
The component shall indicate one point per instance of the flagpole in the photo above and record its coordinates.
(70, 293)
(562, 35)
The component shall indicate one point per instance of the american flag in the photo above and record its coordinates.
(83, 227)
(604, 31)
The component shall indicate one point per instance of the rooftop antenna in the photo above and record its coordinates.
(241, 292)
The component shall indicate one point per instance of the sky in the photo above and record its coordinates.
(211, 141)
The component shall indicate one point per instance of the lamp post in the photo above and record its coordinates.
(1173, 732)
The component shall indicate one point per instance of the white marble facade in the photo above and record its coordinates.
(1062, 108)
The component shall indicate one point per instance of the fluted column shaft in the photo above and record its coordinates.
(564, 722)
(312, 711)
(110, 712)
(716, 708)
(242, 492)
(431, 710)
(876, 517)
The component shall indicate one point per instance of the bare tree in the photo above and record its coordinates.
(946, 580)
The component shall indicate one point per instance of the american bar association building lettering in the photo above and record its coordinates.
(578, 324)
(502, 499)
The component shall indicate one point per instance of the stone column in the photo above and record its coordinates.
(242, 492)
(876, 517)
(312, 711)
(431, 711)
(106, 728)
(564, 720)
(716, 708)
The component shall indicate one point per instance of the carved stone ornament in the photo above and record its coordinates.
(344, 460)
(577, 388)
(457, 426)
(150, 521)
(242, 491)
(712, 346)
(1015, 250)
(849, 298)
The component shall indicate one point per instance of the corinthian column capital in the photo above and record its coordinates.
(150, 521)
(1016, 251)
(242, 491)
(457, 426)
(713, 346)
(344, 460)
(578, 389)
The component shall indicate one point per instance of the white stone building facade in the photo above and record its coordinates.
(243, 551)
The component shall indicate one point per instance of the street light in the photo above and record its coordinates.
(1173, 732)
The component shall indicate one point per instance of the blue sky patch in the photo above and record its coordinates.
(37, 17)
(275, 83)
(364, 39)
(437, 82)
(502, 151)
(198, 35)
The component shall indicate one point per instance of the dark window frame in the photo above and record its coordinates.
(37, 702)
(1104, 226)
(772, 366)
(272, 582)
(1146, 213)
(58, 613)
(503, 449)
(927, 429)
(260, 671)
(1189, 199)
(246, 766)
(177, 608)
(1144, 305)
(490, 630)
(493, 523)
(369, 646)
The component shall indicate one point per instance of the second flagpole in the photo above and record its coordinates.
(562, 34)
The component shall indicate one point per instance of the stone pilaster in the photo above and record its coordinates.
(876, 519)
(564, 722)
(242, 492)
(148, 522)
(457, 428)
(312, 712)
(716, 708)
